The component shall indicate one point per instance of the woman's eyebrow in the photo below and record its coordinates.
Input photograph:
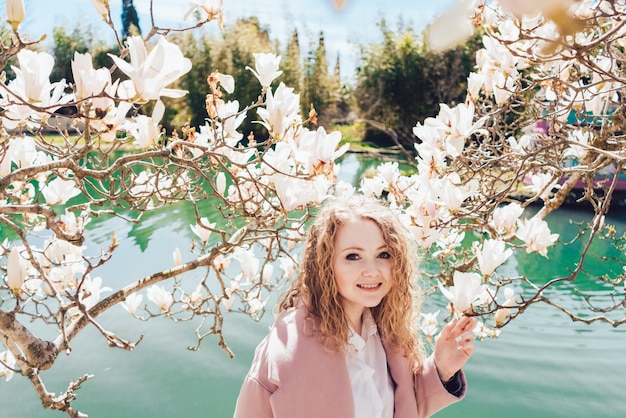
(356, 248)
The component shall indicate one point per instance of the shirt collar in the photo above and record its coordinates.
(368, 329)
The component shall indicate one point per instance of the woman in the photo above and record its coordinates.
(345, 343)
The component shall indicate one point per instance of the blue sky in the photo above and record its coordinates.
(343, 30)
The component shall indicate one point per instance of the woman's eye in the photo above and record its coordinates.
(384, 254)
(352, 256)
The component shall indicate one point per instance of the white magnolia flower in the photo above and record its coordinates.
(7, 365)
(373, 186)
(449, 130)
(279, 159)
(230, 119)
(533, 7)
(220, 183)
(281, 111)
(498, 70)
(266, 68)
(196, 296)
(59, 191)
(203, 229)
(221, 262)
(91, 291)
(522, 145)
(288, 265)
(542, 184)
(249, 263)
(343, 188)
(256, 306)
(228, 301)
(177, 257)
(503, 86)
(483, 331)
(450, 192)
(151, 73)
(72, 224)
(17, 271)
(492, 254)
(102, 6)
(132, 302)
(214, 9)
(536, 235)
(20, 151)
(502, 313)
(160, 297)
(267, 273)
(389, 171)
(295, 192)
(59, 251)
(475, 82)
(226, 81)
(113, 121)
(35, 69)
(505, 218)
(429, 324)
(430, 161)
(579, 142)
(320, 149)
(32, 86)
(467, 288)
(145, 129)
(90, 82)
(452, 28)
(32, 287)
(144, 185)
(449, 241)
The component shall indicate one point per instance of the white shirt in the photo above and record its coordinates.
(372, 388)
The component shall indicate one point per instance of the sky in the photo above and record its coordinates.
(343, 29)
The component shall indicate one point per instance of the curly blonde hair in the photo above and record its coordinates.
(315, 285)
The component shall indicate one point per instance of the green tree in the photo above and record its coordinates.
(341, 103)
(316, 91)
(400, 83)
(198, 50)
(130, 19)
(291, 63)
(65, 45)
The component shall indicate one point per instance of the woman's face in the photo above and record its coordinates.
(362, 266)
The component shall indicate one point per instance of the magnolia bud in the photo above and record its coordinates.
(178, 258)
(102, 6)
(15, 13)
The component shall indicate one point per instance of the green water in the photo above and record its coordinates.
(543, 365)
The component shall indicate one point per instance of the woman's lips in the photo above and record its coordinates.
(369, 286)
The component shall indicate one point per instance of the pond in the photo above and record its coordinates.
(543, 365)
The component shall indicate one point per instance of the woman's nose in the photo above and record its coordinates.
(369, 268)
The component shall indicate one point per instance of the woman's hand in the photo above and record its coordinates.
(454, 346)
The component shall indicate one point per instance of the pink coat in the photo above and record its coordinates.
(294, 376)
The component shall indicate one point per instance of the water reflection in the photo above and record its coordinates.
(543, 365)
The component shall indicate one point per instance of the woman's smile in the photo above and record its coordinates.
(369, 286)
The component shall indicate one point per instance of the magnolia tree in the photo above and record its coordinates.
(52, 188)
(542, 125)
(514, 136)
